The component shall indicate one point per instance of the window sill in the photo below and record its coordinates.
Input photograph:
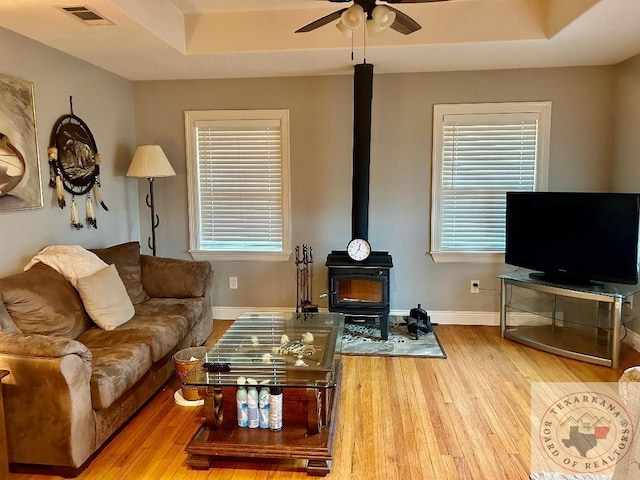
(240, 256)
(467, 257)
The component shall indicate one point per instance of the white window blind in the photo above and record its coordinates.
(242, 193)
(481, 156)
(482, 159)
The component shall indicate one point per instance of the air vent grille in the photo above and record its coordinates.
(87, 15)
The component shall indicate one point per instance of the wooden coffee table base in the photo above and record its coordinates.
(309, 420)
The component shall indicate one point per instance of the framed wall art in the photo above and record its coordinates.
(20, 184)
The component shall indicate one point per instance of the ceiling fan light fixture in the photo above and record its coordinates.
(351, 18)
(383, 16)
(373, 29)
(347, 31)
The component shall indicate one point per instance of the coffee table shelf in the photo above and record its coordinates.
(310, 393)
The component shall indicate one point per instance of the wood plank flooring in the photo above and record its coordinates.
(464, 417)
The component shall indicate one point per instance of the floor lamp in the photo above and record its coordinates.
(150, 162)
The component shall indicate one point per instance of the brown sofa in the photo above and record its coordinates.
(72, 384)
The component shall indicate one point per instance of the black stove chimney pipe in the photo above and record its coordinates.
(362, 95)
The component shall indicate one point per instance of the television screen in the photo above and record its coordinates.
(574, 238)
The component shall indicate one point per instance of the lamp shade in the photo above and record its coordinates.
(149, 161)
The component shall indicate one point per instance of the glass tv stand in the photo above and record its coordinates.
(295, 353)
(578, 322)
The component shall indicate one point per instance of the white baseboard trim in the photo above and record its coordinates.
(465, 318)
(633, 339)
(444, 317)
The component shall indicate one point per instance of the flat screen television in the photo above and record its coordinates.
(574, 238)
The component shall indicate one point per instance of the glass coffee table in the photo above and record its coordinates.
(297, 354)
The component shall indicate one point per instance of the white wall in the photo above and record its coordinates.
(103, 101)
(321, 145)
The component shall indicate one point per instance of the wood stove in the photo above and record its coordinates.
(360, 290)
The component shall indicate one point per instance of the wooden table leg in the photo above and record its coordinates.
(314, 406)
(213, 411)
(4, 455)
(318, 468)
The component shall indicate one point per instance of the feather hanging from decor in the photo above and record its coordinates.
(60, 192)
(75, 218)
(56, 179)
(98, 195)
(91, 218)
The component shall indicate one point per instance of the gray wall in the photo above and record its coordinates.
(104, 101)
(626, 166)
(321, 130)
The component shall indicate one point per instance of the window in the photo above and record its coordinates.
(481, 151)
(238, 184)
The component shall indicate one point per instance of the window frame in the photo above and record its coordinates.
(541, 109)
(193, 183)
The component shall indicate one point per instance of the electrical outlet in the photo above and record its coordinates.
(475, 286)
(233, 283)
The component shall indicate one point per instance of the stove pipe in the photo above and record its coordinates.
(362, 95)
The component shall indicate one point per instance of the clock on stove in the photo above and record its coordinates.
(358, 249)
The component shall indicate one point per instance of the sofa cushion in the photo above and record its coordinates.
(7, 325)
(126, 258)
(189, 308)
(174, 278)
(105, 298)
(115, 370)
(161, 333)
(41, 300)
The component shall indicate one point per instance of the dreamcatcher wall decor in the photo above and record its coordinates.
(74, 166)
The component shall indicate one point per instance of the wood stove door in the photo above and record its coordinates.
(359, 290)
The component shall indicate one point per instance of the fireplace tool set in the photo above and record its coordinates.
(304, 279)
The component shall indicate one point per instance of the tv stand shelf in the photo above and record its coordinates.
(579, 322)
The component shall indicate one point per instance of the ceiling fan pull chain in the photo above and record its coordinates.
(352, 47)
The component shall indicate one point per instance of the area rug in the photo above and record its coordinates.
(365, 339)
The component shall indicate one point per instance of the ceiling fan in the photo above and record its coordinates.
(379, 17)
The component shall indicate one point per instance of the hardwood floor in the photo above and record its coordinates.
(464, 417)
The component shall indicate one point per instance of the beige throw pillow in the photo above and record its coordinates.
(105, 298)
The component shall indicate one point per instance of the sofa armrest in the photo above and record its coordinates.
(47, 392)
(34, 345)
(175, 278)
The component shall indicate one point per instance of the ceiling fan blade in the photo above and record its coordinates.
(321, 21)
(404, 23)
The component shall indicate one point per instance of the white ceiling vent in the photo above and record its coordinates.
(87, 15)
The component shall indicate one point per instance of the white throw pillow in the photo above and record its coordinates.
(105, 298)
